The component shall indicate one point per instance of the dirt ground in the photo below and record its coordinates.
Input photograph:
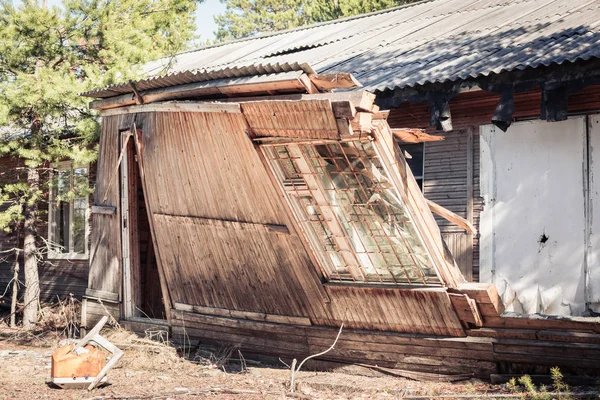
(151, 370)
(155, 370)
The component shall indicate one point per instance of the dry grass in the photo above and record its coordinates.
(142, 353)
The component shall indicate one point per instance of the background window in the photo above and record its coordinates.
(416, 160)
(68, 211)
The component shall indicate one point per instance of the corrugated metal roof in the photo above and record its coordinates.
(427, 42)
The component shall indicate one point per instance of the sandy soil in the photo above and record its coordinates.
(157, 371)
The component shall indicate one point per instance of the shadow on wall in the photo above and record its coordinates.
(533, 224)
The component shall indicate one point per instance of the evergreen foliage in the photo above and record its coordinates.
(243, 18)
(48, 56)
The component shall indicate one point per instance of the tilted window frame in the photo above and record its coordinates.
(345, 249)
(52, 253)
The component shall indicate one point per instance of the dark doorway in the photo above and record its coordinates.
(145, 282)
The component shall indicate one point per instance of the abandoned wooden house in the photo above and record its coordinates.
(240, 201)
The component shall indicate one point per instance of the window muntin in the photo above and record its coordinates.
(347, 207)
(68, 212)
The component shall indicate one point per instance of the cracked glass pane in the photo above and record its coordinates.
(350, 203)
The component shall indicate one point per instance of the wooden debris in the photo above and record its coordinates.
(362, 122)
(483, 293)
(466, 308)
(343, 109)
(381, 115)
(328, 82)
(419, 376)
(405, 135)
(308, 84)
(451, 216)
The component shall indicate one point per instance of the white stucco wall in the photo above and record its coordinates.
(532, 181)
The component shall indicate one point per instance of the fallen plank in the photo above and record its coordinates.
(451, 217)
(419, 376)
(415, 136)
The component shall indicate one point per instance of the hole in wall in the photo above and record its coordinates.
(543, 238)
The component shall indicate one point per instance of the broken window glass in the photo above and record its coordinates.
(349, 211)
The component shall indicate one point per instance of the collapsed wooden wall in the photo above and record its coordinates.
(226, 242)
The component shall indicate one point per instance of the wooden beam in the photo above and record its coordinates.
(406, 135)
(450, 216)
(328, 82)
(175, 106)
(102, 295)
(106, 210)
(360, 99)
(248, 85)
(254, 316)
(483, 293)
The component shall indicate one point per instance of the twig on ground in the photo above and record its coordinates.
(294, 370)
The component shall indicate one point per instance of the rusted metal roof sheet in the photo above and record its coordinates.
(427, 42)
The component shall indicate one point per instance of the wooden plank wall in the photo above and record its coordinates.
(220, 227)
(514, 350)
(445, 183)
(58, 278)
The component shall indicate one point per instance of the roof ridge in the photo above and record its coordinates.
(305, 27)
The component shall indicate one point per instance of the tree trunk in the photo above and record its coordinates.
(15, 291)
(30, 254)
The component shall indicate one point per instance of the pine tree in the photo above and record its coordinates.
(47, 57)
(243, 18)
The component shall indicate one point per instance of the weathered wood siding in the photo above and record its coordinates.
(445, 183)
(58, 277)
(105, 274)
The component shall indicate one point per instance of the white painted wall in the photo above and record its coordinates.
(532, 181)
(593, 281)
